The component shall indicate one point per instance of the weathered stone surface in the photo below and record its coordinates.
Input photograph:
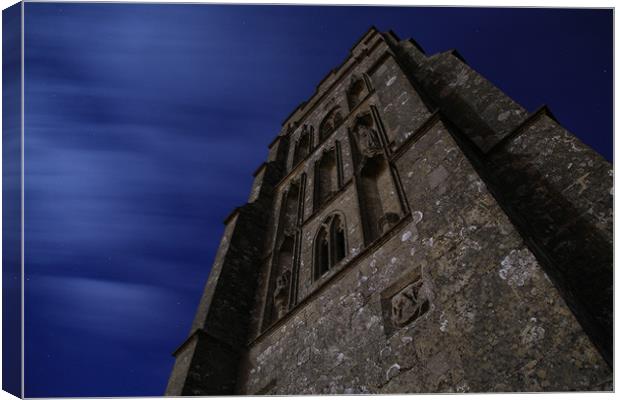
(563, 191)
(413, 231)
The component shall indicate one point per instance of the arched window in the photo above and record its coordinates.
(329, 245)
(337, 234)
(322, 253)
(330, 122)
(356, 92)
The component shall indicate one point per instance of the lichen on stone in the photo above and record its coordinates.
(517, 267)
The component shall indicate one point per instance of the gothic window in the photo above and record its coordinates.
(329, 245)
(326, 177)
(330, 122)
(337, 235)
(322, 254)
(356, 92)
(302, 148)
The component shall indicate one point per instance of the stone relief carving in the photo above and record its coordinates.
(368, 141)
(408, 299)
(409, 304)
(280, 293)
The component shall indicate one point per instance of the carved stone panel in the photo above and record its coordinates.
(409, 304)
(408, 299)
(366, 137)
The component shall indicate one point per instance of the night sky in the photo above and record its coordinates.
(144, 124)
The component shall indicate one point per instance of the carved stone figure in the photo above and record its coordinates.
(367, 140)
(280, 293)
(409, 304)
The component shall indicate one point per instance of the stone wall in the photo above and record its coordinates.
(563, 191)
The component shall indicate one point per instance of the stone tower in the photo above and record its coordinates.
(413, 230)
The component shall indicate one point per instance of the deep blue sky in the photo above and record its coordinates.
(144, 124)
(11, 200)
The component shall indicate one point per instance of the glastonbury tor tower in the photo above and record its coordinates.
(412, 230)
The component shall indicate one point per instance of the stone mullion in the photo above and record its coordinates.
(368, 82)
(339, 172)
(294, 284)
(381, 132)
(316, 184)
(404, 204)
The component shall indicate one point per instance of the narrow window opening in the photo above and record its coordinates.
(324, 257)
(321, 253)
(339, 244)
(328, 177)
(330, 245)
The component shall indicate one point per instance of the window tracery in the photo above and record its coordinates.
(329, 245)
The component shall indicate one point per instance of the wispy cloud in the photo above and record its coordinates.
(100, 307)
